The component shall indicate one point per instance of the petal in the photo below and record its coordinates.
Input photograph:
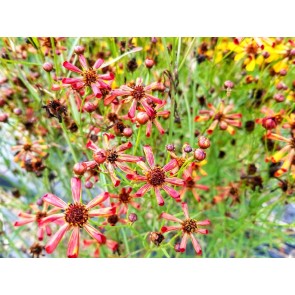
(204, 222)
(196, 245)
(149, 156)
(98, 63)
(251, 65)
(95, 233)
(91, 146)
(96, 90)
(56, 238)
(76, 187)
(54, 201)
(148, 128)
(107, 77)
(159, 126)
(143, 166)
(124, 167)
(171, 165)
(136, 177)
(159, 197)
(143, 190)
(103, 212)
(183, 243)
(73, 245)
(128, 158)
(83, 61)
(113, 245)
(71, 80)
(202, 231)
(166, 229)
(124, 146)
(185, 210)
(40, 233)
(71, 67)
(170, 217)
(115, 180)
(149, 110)
(132, 110)
(171, 192)
(175, 181)
(24, 221)
(154, 99)
(51, 218)
(98, 200)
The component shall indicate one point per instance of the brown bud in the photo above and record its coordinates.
(142, 118)
(79, 168)
(99, 157)
(127, 132)
(269, 123)
(199, 154)
(149, 63)
(204, 142)
(47, 66)
(79, 49)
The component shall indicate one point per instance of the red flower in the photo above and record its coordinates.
(89, 76)
(137, 94)
(188, 227)
(155, 177)
(75, 216)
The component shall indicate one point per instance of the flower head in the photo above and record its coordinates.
(188, 227)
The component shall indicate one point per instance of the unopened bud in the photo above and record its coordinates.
(283, 72)
(3, 118)
(170, 147)
(279, 97)
(229, 84)
(40, 202)
(142, 118)
(89, 107)
(79, 49)
(88, 184)
(265, 54)
(99, 157)
(149, 63)
(269, 123)
(204, 142)
(177, 247)
(281, 86)
(79, 168)
(17, 111)
(199, 154)
(187, 148)
(47, 66)
(132, 217)
(127, 132)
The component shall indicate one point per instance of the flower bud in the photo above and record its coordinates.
(149, 63)
(157, 238)
(170, 147)
(279, 97)
(204, 142)
(283, 72)
(3, 117)
(154, 40)
(229, 84)
(89, 107)
(142, 118)
(17, 111)
(40, 202)
(132, 217)
(223, 125)
(79, 49)
(281, 86)
(127, 132)
(269, 123)
(177, 247)
(79, 168)
(265, 54)
(47, 66)
(199, 154)
(99, 157)
(88, 184)
(187, 148)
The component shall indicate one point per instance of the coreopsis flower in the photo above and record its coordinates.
(285, 154)
(142, 118)
(156, 177)
(110, 244)
(46, 44)
(190, 178)
(75, 216)
(221, 117)
(231, 190)
(29, 150)
(35, 217)
(138, 93)
(250, 50)
(271, 119)
(117, 216)
(112, 157)
(188, 227)
(125, 198)
(89, 76)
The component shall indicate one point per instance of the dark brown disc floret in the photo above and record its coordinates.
(189, 226)
(156, 176)
(138, 92)
(76, 215)
(89, 76)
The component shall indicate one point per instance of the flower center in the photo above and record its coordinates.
(76, 215)
(40, 215)
(190, 183)
(138, 92)
(125, 198)
(27, 147)
(156, 176)
(112, 157)
(189, 225)
(218, 116)
(89, 76)
(47, 42)
(252, 48)
(113, 219)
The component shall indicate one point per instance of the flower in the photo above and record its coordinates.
(137, 93)
(271, 120)
(231, 190)
(89, 76)
(112, 245)
(188, 227)
(112, 157)
(190, 178)
(125, 198)
(155, 177)
(75, 216)
(220, 117)
(285, 154)
(47, 42)
(37, 216)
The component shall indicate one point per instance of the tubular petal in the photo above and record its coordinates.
(95, 234)
(56, 238)
(76, 187)
(149, 156)
(54, 201)
(73, 245)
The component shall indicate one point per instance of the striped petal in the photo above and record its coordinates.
(73, 245)
(71, 67)
(76, 187)
(95, 233)
(98, 200)
(149, 156)
(56, 238)
(170, 217)
(54, 201)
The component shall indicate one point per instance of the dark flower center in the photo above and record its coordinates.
(218, 116)
(190, 183)
(40, 215)
(125, 197)
(89, 76)
(47, 42)
(138, 92)
(113, 219)
(27, 147)
(76, 215)
(112, 157)
(189, 225)
(252, 48)
(156, 176)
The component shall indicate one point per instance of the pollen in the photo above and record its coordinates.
(156, 176)
(189, 225)
(112, 157)
(138, 92)
(89, 76)
(76, 215)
